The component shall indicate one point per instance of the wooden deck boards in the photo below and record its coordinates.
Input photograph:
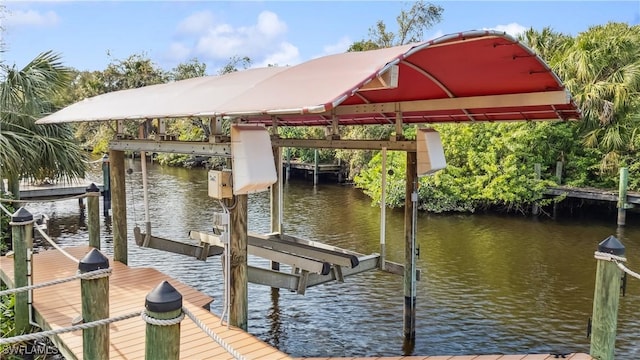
(56, 306)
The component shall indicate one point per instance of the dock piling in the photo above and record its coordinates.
(106, 189)
(117, 186)
(605, 301)
(22, 234)
(95, 306)
(93, 217)
(163, 341)
(410, 247)
(315, 167)
(622, 196)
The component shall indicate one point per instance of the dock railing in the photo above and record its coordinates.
(163, 311)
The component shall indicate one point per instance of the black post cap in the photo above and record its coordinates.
(21, 215)
(611, 245)
(94, 260)
(92, 188)
(163, 298)
(105, 158)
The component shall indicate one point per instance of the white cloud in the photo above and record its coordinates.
(340, 46)
(513, 29)
(286, 54)
(31, 18)
(196, 23)
(178, 52)
(211, 39)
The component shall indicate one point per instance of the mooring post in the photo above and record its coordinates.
(117, 183)
(238, 279)
(106, 188)
(163, 341)
(95, 306)
(276, 200)
(288, 164)
(559, 166)
(622, 196)
(383, 210)
(410, 247)
(537, 172)
(22, 235)
(93, 215)
(315, 167)
(605, 301)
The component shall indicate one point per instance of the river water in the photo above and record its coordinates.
(491, 284)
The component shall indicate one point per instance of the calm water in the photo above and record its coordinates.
(491, 284)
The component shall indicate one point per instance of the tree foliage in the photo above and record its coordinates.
(32, 151)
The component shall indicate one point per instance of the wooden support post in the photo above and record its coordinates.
(106, 188)
(315, 167)
(93, 215)
(383, 209)
(622, 196)
(559, 166)
(95, 306)
(288, 175)
(537, 168)
(410, 247)
(163, 341)
(13, 182)
(605, 302)
(276, 200)
(22, 236)
(116, 159)
(239, 309)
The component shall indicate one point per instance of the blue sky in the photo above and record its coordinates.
(269, 32)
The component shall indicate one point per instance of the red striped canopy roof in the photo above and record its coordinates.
(470, 76)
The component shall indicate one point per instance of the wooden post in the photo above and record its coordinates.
(239, 309)
(106, 188)
(315, 167)
(383, 210)
(93, 215)
(410, 248)
(163, 341)
(22, 235)
(559, 166)
(288, 175)
(13, 183)
(276, 200)
(605, 302)
(622, 196)
(116, 159)
(95, 306)
(537, 168)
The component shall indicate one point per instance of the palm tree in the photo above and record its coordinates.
(30, 151)
(601, 67)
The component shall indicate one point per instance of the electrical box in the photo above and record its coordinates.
(220, 186)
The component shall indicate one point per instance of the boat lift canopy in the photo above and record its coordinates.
(463, 77)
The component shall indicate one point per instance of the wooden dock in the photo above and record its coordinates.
(53, 191)
(592, 194)
(56, 306)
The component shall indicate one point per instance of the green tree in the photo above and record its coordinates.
(601, 68)
(411, 25)
(32, 151)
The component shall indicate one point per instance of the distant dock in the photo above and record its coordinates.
(57, 190)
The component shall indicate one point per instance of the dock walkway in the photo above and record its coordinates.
(56, 306)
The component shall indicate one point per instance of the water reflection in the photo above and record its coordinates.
(491, 284)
